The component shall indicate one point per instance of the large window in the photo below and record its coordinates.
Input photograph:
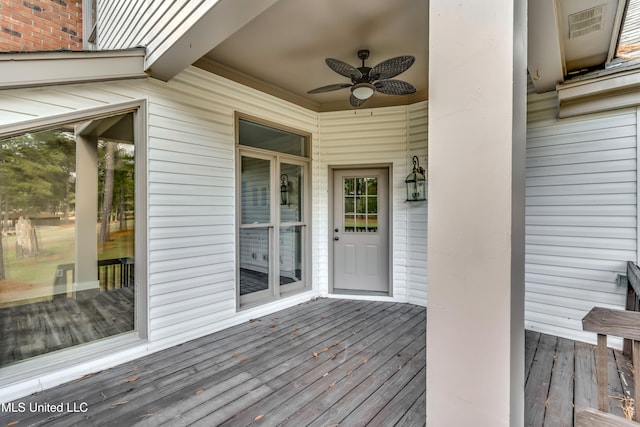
(67, 252)
(273, 182)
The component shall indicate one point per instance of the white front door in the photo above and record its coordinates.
(360, 231)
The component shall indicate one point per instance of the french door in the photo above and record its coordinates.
(272, 231)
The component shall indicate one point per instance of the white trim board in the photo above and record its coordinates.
(26, 69)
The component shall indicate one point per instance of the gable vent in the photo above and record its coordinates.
(586, 21)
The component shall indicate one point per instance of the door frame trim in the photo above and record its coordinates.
(330, 206)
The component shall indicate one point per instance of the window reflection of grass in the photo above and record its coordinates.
(56, 246)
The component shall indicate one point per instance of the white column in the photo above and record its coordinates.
(477, 124)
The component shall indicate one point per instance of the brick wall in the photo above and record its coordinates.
(28, 25)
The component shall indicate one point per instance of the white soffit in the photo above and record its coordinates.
(588, 29)
(545, 56)
(48, 68)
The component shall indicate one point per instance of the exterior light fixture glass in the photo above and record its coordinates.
(416, 188)
(284, 189)
(363, 91)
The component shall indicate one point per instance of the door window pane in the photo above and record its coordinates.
(254, 260)
(255, 195)
(67, 245)
(360, 205)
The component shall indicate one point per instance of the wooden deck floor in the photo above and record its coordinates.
(320, 363)
(323, 363)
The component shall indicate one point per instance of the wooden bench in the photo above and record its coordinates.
(620, 323)
(633, 297)
(591, 417)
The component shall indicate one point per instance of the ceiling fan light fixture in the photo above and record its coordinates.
(363, 90)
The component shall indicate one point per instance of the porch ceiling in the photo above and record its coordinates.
(282, 50)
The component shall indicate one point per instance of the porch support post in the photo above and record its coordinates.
(477, 131)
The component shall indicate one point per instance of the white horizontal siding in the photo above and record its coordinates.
(417, 211)
(581, 207)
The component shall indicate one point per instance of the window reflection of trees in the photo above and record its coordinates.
(39, 220)
(360, 204)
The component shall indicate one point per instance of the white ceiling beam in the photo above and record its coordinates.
(545, 58)
(201, 34)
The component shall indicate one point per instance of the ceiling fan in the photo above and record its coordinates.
(365, 81)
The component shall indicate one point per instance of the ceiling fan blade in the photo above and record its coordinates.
(391, 67)
(343, 68)
(394, 87)
(329, 88)
(356, 102)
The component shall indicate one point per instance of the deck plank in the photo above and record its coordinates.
(373, 390)
(585, 386)
(531, 340)
(227, 389)
(536, 389)
(416, 414)
(625, 370)
(391, 412)
(615, 390)
(313, 391)
(298, 374)
(559, 412)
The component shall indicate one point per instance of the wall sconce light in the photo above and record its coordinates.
(416, 188)
(284, 189)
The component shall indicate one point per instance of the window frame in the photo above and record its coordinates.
(90, 24)
(45, 363)
(275, 291)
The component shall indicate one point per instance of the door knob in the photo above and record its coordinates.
(336, 238)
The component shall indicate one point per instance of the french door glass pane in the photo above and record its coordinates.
(290, 254)
(255, 191)
(291, 192)
(254, 260)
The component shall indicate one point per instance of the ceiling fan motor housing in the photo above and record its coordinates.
(363, 54)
